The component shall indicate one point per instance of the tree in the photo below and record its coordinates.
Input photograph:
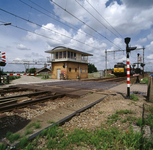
(91, 68)
(31, 70)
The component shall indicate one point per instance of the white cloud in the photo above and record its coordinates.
(125, 19)
(18, 59)
(150, 36)
(150, 56)
(32, 25)
(22, 47)
(142, 40)
(150, 46)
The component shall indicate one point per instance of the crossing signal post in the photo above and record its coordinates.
(128, 50)
(2, 63)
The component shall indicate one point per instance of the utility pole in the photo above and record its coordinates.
(106, 63)
(143, 61)
(138, 60)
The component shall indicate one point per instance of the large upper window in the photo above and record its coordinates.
(60, 54)
(64, 54)
(74, 55)
(56, 55)
(71, 55)
(68, 54)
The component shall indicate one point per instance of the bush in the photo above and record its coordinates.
(14, 77)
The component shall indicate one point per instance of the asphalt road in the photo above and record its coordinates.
(31, 79)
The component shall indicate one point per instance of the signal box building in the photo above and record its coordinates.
(71, 63)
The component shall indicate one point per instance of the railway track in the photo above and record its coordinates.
(10, 107)
(13, 99)
(24, 100)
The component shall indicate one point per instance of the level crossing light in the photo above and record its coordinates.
(5, 24)
(3, 63)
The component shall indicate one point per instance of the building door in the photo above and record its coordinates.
(58, 73)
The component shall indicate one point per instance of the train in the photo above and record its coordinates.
(120, 70)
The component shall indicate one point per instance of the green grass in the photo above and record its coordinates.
(23, 142)
(36, 125)
(110, 138)
(117, 116)
(101, 112)
(45, 77)
(134, 97)
(126, 111)
(145, 80)
(50, 121)
(112, 118)
(44, 133)
(14, 77)
(28, 132)
(124, 121)
(12, 137)
(31, 125)
(29, 147)
(100, 138)
(2, 146)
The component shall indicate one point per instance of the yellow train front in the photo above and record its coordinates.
(120, 70)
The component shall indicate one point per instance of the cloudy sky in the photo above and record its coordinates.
(91, 26)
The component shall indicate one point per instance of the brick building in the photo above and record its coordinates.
(69, 62)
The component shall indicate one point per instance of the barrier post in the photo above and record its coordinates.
(128, 50)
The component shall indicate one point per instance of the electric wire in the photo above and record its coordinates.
(96, 19)
(103, 18)
(85, 24)
(39, 34)
(47, 28)
(75, 28)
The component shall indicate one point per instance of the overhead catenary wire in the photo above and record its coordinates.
(75, 28)
(104, 18)
(96, 19)
(39, 34)
(85, 24)
(48, 28)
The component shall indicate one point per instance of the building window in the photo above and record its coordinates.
(74, 55)
(69, 69)
(71, 55)
(68, 54)
(64, 54)
(60, 54)
(75, 69)
(81, 70)
(56, 55)
(85, 70)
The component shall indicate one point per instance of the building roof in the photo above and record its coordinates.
(62, 48)
(41, 69)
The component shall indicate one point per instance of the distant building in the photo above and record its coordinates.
(69, 62)
(43, 70)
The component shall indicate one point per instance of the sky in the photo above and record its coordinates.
(91, 26)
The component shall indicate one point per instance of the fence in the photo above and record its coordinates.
(146, 124)
(94, 75)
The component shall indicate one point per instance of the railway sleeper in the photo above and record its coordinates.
(29, 102)
(28, 95)
(2, 92)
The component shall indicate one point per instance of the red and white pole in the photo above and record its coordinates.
(128, 76)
